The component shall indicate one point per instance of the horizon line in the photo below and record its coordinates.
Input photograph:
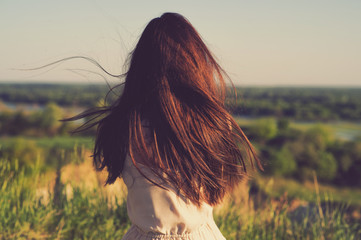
(68, 82)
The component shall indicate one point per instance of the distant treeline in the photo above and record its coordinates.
(298, 103)
(290, 102)
(61, 94)
(39, 123)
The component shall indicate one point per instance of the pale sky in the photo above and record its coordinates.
(304, 42)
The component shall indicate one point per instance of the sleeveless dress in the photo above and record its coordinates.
(159, 214)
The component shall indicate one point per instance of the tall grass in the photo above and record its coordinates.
(89, 213)
(262, 217)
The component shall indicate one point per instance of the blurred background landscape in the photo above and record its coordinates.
(309, 140)
(296, 68)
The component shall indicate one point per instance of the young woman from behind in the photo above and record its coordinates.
(170, 137)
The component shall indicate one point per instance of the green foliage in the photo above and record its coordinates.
(61, 94)
(45, 122)
(310, 151)
(282, 163)
(24, 152)
(313, 146)
(283, 124)
(326, 167)
(295, 103)
(50, 117)
(264, 129)
(348, 157)
(64, 142)
(298, 103)
(27, 152)
(14, 123)
(318, 136)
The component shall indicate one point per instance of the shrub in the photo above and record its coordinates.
(24, 151)
(282, 163)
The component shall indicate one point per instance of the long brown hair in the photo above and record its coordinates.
(175, 84)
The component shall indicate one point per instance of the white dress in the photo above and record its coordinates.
(157, 213)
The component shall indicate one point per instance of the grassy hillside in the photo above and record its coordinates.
(71, 203)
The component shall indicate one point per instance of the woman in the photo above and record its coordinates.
(170, 137)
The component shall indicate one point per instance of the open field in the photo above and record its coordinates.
(277, 186)
(63, 142)
(273, 186)
(72, 203)
(340, 129)
(49, 189)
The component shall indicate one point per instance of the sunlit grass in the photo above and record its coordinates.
(277, 186)
(77, 206)
(64, 142)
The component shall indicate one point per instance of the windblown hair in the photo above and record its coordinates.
(175, 85)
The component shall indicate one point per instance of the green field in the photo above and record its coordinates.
(37, 206)
(64, 142)
(339, 129)
(309, 141)
(73, 209)
(277, 186)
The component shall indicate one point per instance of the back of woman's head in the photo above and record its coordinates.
(175, 87)
(171, 58)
